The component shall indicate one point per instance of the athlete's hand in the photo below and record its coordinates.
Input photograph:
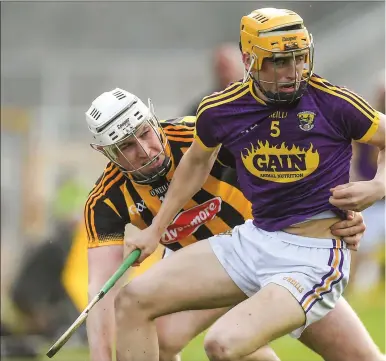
(146, 240)
(351, 229)
(357, 196)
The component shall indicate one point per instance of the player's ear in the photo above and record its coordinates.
(246, 60)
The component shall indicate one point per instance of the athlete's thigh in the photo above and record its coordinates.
(189, 279)
(340, 336)
(267, 315)
(177, 329)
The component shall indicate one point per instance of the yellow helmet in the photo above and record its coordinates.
(270, 32)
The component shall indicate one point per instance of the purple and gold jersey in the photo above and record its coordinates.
(287, 158)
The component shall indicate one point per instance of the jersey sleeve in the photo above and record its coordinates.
(205, 132)
(360, 118)
(104, 225)
(226, 158)
(104, 219)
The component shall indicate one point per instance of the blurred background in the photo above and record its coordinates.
(57, 57)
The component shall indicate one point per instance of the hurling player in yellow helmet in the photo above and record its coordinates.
(289, 132)
(278, 37)
(130, 192)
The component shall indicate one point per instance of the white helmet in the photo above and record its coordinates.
(116, 116)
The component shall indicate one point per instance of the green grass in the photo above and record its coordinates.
(370, 308)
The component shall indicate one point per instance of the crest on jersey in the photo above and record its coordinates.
(306, 120)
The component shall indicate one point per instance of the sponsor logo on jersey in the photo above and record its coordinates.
(306, 120)
(279, 115)
(159, 191)
(137, 208)
(187, 222)
(280, 163)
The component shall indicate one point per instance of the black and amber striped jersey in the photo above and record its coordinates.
(116, 201)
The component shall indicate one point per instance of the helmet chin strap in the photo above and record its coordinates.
(280, 97)
(247, 73)
(165, 167)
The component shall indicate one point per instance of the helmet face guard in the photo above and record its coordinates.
(272, 34)
(131, 136)
(299, 85)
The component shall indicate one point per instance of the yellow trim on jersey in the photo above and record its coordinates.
(203, 146)
(187, 119)
(92, 193)
(239, 95)
(135, 219)
(252, 90)
(235, 196)
(100, 195)
(202, 108)
(107, 243)
(354, 96)
(95, 195)
(174, 131)
(371, 131)
(330, 91)
(111, 205)
(220, 95)
(178, 128)
(153, 204)
(177, 139)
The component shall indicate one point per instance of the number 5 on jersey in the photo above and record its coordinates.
(275, 131)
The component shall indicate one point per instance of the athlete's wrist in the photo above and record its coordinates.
(158, 227)
(379, 187)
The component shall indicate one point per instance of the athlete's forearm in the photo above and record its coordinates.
(101, 325)
(188, 178)
(380, 175)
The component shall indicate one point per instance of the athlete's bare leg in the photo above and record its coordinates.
(176, 330)
(246, 329)
(177, 283)
(341, 336)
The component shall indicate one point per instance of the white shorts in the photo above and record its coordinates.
(314, 270)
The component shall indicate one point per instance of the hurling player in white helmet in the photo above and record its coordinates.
(290, 133)
(143, 154)
(119, 121)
